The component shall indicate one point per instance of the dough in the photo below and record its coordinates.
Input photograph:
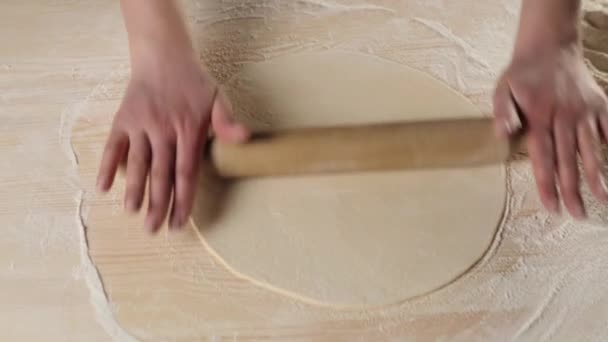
(350, 240)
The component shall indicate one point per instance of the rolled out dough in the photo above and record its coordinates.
(354, 240)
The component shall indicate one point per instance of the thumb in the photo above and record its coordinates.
(507, 121)
(224, 126)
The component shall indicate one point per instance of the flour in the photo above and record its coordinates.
(470, 52)
(87, 269)
(543, 278)
(71, 113)
(330, 7)
(548, 290)
(99, 298)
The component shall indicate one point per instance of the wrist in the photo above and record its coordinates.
(156, 32)
(152, 49)
(547, 25)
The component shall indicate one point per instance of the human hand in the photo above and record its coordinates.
(564, 114)
(160, 130)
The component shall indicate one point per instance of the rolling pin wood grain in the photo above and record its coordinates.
(392, 146)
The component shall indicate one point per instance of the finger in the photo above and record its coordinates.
(114, 152)
(542, 155)
(603, 121)
(161, 182)
(567, 167)
(590, 149)
(189, 152)
(138, 163)
(223, 123)
(507, 121)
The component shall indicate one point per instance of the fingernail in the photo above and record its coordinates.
(500, 129)
(603, 186)
(149, 225)
(513, 122)
(177, 224)
(554, 207)
(244, 134)
(130, 206)
(100, 185)
(579, 213)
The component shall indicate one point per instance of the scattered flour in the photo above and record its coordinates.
(88, 270)
(554, 268)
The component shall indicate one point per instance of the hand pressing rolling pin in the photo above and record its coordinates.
(564, 110)
(167, 110)
(171, 102)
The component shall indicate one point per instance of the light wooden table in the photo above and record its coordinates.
(65, 63)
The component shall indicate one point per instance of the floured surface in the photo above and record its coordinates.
(595, 28)
(543, 279)
(335, 88)
(362, 240)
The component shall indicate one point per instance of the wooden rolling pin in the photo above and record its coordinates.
(407, 145)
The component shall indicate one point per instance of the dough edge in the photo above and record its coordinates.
(487, 251)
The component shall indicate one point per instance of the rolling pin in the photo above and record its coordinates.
(394, 146)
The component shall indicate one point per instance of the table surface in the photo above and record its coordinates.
(63, 67)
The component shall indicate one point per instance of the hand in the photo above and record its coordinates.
(160, 130)
(565, 115)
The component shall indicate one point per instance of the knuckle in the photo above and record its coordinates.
(133, 191)
(186, 171)
(190, 136)
(545, 182)
(575, 108)
(160, 173)
(139, 160)
(600, 103)
(569, 186)
(158, 202)
(592, 169)
(114, 140)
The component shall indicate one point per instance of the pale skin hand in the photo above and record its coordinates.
(170, 103)
(564, 110)
(162, 124)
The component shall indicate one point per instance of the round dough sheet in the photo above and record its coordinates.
(349, 240)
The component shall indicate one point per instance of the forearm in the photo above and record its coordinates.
(155, 26)
(547, 23)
